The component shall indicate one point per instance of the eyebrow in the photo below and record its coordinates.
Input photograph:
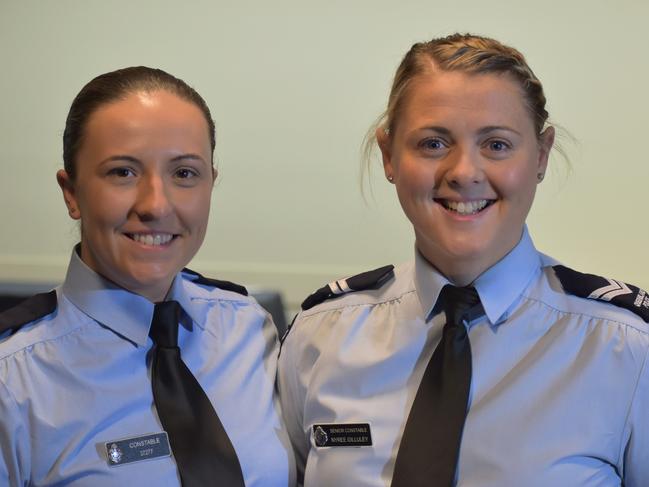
(482, 131)
(491, 128)
(120, 158)
(181, 157)
(435, 128)
(191, 157)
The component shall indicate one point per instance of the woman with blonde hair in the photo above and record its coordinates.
(482, 362)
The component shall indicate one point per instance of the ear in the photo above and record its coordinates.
(69, 193)
(385, 142)
(546, 141)
(215, 174)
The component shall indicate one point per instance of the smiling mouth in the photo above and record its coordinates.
(465, 207)
(152, 239)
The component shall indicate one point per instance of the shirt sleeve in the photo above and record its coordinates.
(292, 394)
(636, 451)
(15, 454)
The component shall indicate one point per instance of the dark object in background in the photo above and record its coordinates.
(13, 293)
(272, 302)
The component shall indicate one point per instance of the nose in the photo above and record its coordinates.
(153, 200)
(465, 168)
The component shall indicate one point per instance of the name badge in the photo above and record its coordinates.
(137, 449)
(350, 434)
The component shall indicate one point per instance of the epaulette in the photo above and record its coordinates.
(595, 287)
(367, 280)
(206, 281)
(31, 309)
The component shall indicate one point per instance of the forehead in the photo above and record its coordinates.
(145, 117)
(453, 97)
(159, 105)
(148, 126)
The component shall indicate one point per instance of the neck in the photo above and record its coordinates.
(459, 272)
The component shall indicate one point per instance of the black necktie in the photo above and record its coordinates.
(430, 446)
(203, 452)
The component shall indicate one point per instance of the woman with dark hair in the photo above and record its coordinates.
(137, 370)
(482, 362)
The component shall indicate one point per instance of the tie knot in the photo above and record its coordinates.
(460, 303)
(164, 325)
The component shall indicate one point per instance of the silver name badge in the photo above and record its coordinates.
(137, 449)
(347, 434)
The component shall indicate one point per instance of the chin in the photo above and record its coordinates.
(465, 247)
(148, 278)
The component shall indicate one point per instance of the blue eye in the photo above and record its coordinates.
(432, 144)
(498, 145)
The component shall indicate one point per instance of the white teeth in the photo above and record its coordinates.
(152, 240)
(466, 207)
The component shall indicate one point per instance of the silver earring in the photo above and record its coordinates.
(540, 176)
(390, 178)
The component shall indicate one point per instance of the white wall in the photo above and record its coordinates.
(293, 85)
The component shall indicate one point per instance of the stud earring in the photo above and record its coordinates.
(540, 176)
(391, 178)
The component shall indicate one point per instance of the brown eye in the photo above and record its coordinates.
(121, 172)
(185, 173)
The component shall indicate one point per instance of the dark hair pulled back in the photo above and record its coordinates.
(116, 85)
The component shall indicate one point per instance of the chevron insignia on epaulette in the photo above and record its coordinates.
(595, 287)
(29, 310)
(206, 281)
(367, 280)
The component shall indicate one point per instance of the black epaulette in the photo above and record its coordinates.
(206, 281)
(29, 310)
(595, 287)
(367, 280)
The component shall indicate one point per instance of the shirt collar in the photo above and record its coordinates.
(499, 287)
(123, 311)
(502, 284)
(428, 282)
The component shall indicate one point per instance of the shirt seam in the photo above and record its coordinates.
(207, 293)
(306, 313)
(587, 315)
(48, 340)
(248, 301)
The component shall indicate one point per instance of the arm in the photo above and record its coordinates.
(292, 395)
(15, 451)
(636, 450)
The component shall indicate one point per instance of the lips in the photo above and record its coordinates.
(152, 239)
(465, 207)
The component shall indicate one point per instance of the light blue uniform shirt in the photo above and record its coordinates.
(80, 377)
(559, 392)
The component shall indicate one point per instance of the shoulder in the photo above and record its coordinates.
(40, 318)
(371, 287)
(219, 293)
(32, 309)
(595, 296)
(211, 285)
(355, 294)
(200, 287)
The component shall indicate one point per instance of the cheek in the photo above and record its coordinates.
(195, 207)
(98, 205)
(416, 181)
(517, 183)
